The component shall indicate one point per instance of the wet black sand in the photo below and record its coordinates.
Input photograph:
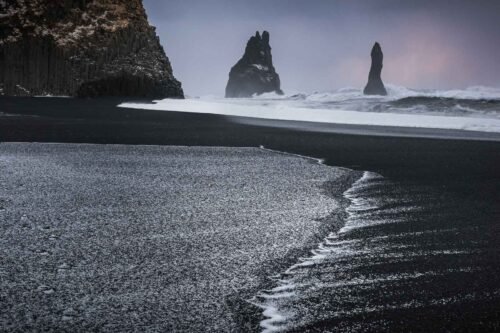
(400, 152)
(412, 257)
(460, 171)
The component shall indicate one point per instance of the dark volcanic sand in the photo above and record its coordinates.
(407, 153)
(412, 257)
(449, 183)
(116, 238)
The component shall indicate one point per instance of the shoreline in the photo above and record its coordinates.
(102, 122)
(43, 158)
(338, 119)
(468, 168)
(337, 220)
(250, 314)
(107, 109)
(371, 130)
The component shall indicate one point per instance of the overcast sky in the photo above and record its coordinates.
(322, 45)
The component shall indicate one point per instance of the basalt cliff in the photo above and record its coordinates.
(85, 48)
(254, 73)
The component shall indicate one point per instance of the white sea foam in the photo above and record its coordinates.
(331, 247)
(317, 160)
(338, 258)
(346, 106)
(473, 93)
(52, 96)
(275, 320)
(394, 92)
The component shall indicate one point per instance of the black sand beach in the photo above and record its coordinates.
(121, 238)
(395, 152)
(434, 270)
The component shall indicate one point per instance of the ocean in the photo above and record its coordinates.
(471, 109)
(477, 101)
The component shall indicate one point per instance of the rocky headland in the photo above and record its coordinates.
(84, 48)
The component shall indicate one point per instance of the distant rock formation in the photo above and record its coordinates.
(85, 48)
(254, 73)
(375, 85)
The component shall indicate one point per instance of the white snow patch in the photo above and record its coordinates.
(22, 89)
(261, 67)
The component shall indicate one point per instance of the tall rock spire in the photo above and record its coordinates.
(254, 73)
(375, 85)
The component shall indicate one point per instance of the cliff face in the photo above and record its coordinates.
(375, 85)
(84, 48)
(254, 73)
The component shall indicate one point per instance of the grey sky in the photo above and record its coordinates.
(321, 45)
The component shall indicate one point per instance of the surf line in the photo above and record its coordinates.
(320, 161)
(276, 321)
(317, 160)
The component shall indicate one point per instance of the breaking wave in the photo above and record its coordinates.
(478, 101)
(473, 109)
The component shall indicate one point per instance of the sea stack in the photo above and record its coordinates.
(82, 48)
(375, 85)
(254, 73)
